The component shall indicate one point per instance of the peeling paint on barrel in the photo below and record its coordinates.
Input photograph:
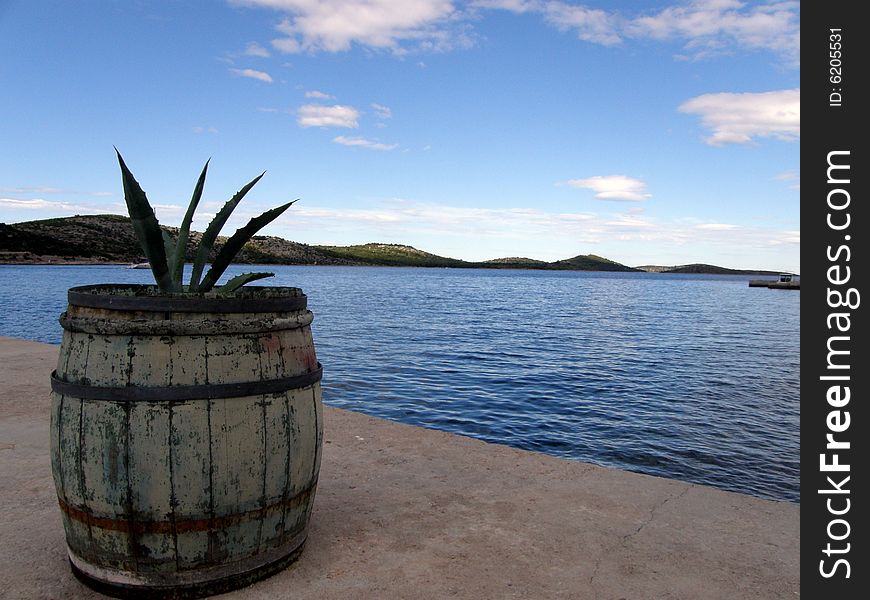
(192, 492)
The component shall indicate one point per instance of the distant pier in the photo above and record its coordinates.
(785, 282)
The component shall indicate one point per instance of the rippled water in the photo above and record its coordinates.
(691, 377)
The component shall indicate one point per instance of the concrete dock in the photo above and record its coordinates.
(405, 512)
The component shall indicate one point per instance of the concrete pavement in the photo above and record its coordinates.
(405, 512)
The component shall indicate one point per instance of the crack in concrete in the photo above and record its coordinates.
(652, 515)
(623, 542)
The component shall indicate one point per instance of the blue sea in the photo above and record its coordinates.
(693, 377)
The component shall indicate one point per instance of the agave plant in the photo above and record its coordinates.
(166, 255)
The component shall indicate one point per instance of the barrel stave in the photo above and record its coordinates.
(68, 476)
(150, 485)
(191, 468)
(277, 460)
(237, 477)
(189, 360)
(233, 358)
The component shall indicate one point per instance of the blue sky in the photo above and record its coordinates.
(647, 132)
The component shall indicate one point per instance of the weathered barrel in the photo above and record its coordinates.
(185, 438)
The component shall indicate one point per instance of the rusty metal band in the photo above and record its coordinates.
(126, 525)
(178, 393)
(252, 300)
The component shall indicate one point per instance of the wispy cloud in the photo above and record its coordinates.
(319, 95)
(589, 24)
(363, 143)
(717, 226)
(704, 27)
(613, 187)
(60, 207)
(50, 190)
(792, 177)
(200, 130)
(515, 6)
(252, 74)
(715, 26)
(738, 118)
(382, 112)
(529, 231)
(317, 115)
(255, 49)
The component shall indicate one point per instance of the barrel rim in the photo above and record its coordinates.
(196, 324)
(255, 568)
(149, 298)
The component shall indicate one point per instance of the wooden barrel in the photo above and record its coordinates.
(186, 437)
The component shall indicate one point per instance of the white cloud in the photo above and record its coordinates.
(255, 49)
(363, 143)
(704, 27)
(316, 115)
(717, 226)
(60, 207)
(381, 111)
(737, 118)
(613, 187)
(514, 6)
(335, 25)
(713, 26)
(548, 235)
(42, 189)
(785, 237)
(319, 95)
(792, 177)
(252, 74)
(591, 25)
(200, 130)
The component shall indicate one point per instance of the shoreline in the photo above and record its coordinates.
(473, 267)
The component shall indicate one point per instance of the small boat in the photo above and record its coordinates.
(142, 265)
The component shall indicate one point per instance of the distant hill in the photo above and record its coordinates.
(396, 255)
(514, 262)
(704, 269)
(96, 238)
(590, 262)
(110, 239)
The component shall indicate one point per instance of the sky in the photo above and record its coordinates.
(659, 133)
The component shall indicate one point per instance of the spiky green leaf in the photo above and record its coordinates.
(146, 227)
(211, 233)
(240, 280)
(176, 261)
(235, 243)
(169, 249)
